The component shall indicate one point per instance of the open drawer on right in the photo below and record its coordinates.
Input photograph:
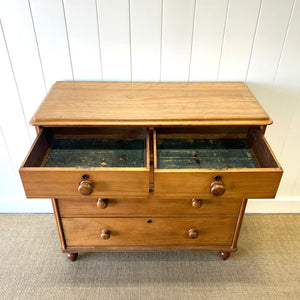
(205, 162)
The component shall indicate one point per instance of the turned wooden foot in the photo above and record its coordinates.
(72, 256)
(224, 255)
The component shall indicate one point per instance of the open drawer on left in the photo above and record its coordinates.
(87, 162)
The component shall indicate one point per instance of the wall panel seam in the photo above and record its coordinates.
(254, 38)
(37, 45)
(15, 80)
(223, 38)
(7, 150)
(192, 40)
(273, 85)
(99, 39)
(67, 34)
(130, 43)
(161, 37)
(281, 51)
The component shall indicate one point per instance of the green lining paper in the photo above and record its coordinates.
(90, 153)
(204, 154)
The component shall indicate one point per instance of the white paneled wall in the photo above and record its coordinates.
(256, 41)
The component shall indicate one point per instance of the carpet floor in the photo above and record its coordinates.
(266, 266)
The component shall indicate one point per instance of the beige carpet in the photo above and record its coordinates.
(266, 266)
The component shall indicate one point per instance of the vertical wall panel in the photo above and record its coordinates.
(289, 159)
(50, 27)
(115, 39)
(146, 39)
(284, 95)
(210, 19)
(285, 106)
(12, 119)
(8, 183)
(177, 35)
(23, 51)
(239, 33)
(296, 188)
(82, 25)
(267, 47)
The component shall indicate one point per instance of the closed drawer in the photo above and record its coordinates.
(83, 162)
(110, 232)
(150, 206)
(113, 207)
(222, 163)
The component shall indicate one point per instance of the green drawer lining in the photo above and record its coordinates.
(88, 153)
(204, 154)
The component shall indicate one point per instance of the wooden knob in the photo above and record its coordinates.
(102, 203)
(85, 187)
(197, 203)
(193, 233)
(217, 188)
(105, 234)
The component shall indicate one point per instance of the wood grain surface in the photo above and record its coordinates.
(150, 206)
(146, 231)
(244, 183)
(56, 182)
(173, 103)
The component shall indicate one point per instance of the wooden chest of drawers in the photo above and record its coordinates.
(150, 166)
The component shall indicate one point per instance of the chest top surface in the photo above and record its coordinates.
(71, 103)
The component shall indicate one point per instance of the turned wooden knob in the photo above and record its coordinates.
(197, 203)
(217, 188)
(105, 234)
(102, 203)
(193, 233)
(85, 187)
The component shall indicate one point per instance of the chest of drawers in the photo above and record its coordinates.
(150, 166)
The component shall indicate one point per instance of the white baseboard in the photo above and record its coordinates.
(23, 205)
(258, 206)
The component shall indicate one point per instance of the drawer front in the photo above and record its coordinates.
(49, 172)
(236, 183)
(39, 183)
(150, 206)
(223, 167)
(110, 232)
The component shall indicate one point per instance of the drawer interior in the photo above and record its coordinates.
(212, 148)
(90, 148)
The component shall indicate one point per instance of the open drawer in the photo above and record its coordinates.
(83, 162)
(234, 162)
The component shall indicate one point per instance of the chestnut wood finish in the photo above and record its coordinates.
(151, 206)
(136, 205)
(72, 256)
(56, 182)
(224, 255)
(58, 223)
(149, 104)
(260, 182)
(103, 232)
